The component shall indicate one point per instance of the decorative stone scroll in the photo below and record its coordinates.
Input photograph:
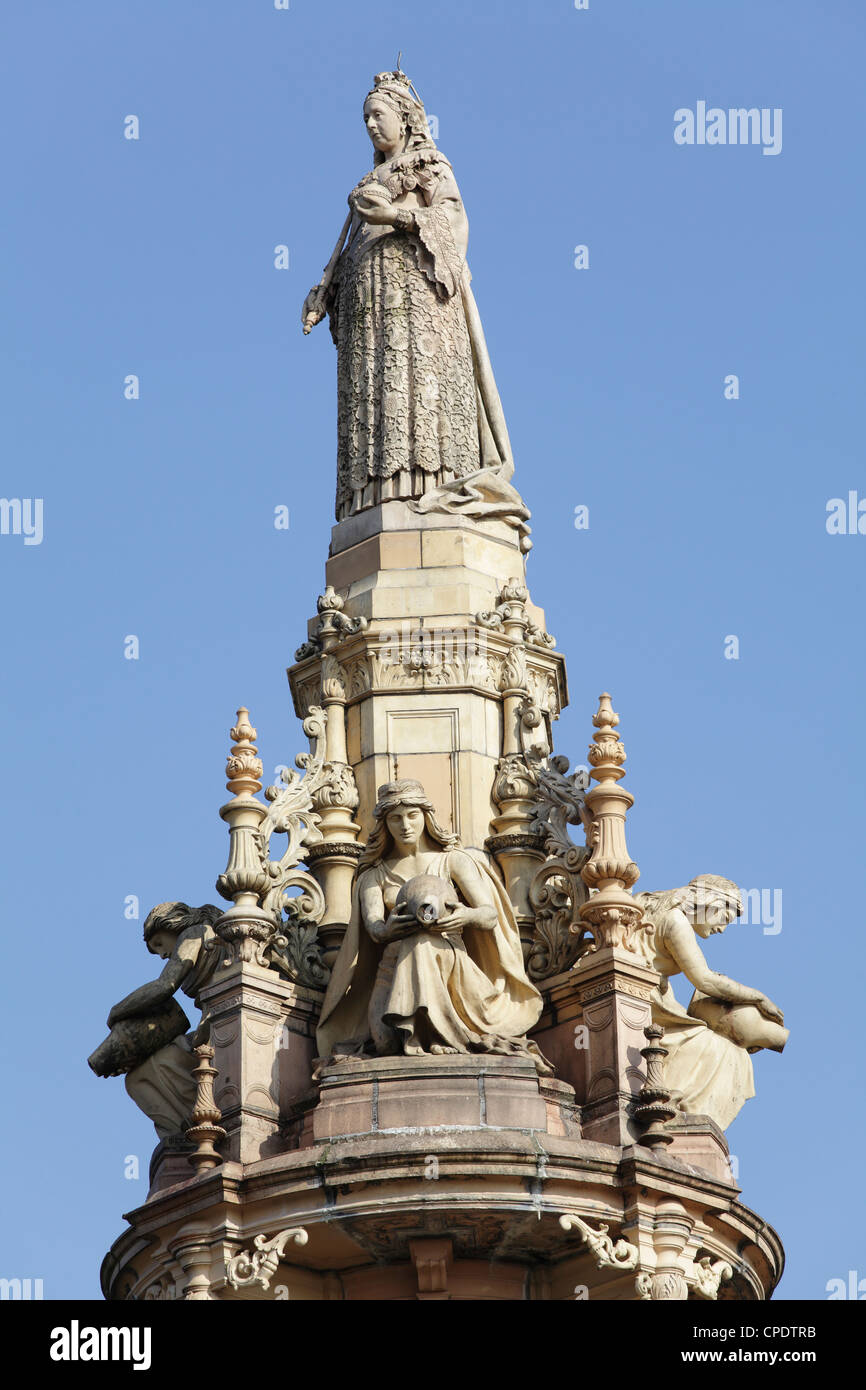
(258, 1266)
(707, 1275)
(673, 1274)
(619, 1254)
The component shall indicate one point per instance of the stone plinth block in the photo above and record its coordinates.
(698, 1141)
(396, 1094)
(614, 989)
(263, 1035)
(561, 1032)
(395, 516)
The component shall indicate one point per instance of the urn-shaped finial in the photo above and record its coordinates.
(243, 767)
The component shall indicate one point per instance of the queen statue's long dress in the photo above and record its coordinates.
(418, 408)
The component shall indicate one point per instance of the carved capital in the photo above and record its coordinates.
(514, 781)
(247, 934)
(334, 679)
(335, 786)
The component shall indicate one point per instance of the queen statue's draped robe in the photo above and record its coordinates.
(418, 407)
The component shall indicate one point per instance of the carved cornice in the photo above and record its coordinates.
(615, 985)
(367, 665)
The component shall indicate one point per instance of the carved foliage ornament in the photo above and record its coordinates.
(557, 891)
(259, 1265)
(607, 1253)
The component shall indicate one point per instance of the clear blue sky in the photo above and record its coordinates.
(707, 515)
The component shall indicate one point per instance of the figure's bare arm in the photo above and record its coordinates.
(478, 908)
(679, 940)
(147, 998)
(380, 927)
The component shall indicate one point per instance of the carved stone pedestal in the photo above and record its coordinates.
(612, 988)
(467, 1211)
(263, 1035)
(698, 1141)
(393, 1095)
(433, 676)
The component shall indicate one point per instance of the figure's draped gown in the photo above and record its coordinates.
(713, 1075)
(466, 990)
(417, 403)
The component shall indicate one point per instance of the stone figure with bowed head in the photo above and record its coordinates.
(419, 415)
(147, 1041)
(709, 1067)
(431, 961)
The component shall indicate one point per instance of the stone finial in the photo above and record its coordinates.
(611, 912)
(205, 1129)
(243, 767)
(244, 877)
(654, 1107)
(608, 755)
(332, 627)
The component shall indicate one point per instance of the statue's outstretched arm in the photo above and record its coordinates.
(679, 940)
(147, 998)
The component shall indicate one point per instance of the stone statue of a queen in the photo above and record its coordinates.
(419, 415)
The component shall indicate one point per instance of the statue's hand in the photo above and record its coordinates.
(400, 923)
(113, 1017)
(770, 1010)
(312, 312)
(374, 206)
(463, 916)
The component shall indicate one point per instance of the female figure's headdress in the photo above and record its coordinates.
(397, 88)
(406, 792)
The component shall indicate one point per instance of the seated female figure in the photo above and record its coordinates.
(448, 981)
